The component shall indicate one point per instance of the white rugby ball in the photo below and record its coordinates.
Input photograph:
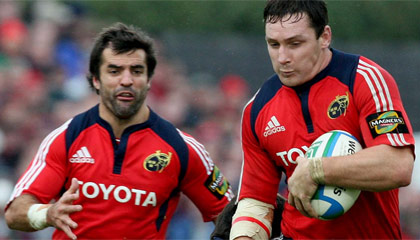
(333, 201)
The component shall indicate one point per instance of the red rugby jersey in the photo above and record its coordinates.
(279, 124)
(128, 190)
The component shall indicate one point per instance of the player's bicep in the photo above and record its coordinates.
(260, 176)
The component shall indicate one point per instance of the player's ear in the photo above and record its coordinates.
(149, 83)
(96, 82)
(326, 36)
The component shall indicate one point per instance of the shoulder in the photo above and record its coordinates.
(263, 96)
(196, 149)
(368, 66)
(343, 67)
(347, 67)
(56, 137)
(171, 134)
(79, 123)
(168, 132)
(267, 92)
(374, 77)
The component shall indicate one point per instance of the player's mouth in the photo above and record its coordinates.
(286, 73)
(125, 96)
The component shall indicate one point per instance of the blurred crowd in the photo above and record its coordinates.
(43, 63)
(44, 52)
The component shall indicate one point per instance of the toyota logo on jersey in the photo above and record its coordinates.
(121, 194)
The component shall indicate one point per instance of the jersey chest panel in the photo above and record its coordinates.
(281, 127)
(149, 171)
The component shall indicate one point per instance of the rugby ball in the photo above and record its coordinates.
(333, 201)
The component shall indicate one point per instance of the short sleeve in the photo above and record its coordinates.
(260, 177)
(45, 176)
(383, 119)
(204, 182)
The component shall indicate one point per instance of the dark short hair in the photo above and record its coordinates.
(316, 10)
(122, 39)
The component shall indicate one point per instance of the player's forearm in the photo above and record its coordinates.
(17, 214)
(377, 168)
(252, 219)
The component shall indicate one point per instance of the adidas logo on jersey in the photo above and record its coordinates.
(82, 156)
(273, 126)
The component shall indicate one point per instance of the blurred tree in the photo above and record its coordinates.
(375, 20)
(351, 20)
(184, 16)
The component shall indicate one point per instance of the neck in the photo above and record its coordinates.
(326, 59)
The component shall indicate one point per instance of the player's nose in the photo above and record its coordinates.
(126, 78)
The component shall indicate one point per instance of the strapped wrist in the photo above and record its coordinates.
(252, 219)
(37, 216)
(316, 170)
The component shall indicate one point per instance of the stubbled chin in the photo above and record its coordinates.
(289, 82)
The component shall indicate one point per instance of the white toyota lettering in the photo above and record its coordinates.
(106, 190)
(287, 156)
(121, 194)
(138, 195)
(95, 188)
(127, 194)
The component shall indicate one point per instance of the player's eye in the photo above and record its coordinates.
(273, 44)
(113, 71)
(138, 71)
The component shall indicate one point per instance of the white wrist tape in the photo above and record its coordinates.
(252, 219)
(317, 170)
(37, 215)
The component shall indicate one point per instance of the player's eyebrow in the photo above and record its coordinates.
(295, 38)
(289, 39)
(270, 39)
(132, 66)
(113, 66)
(138, 66)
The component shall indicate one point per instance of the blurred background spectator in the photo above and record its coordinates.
(212, 55)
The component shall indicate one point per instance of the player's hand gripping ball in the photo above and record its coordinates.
(333, 201)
